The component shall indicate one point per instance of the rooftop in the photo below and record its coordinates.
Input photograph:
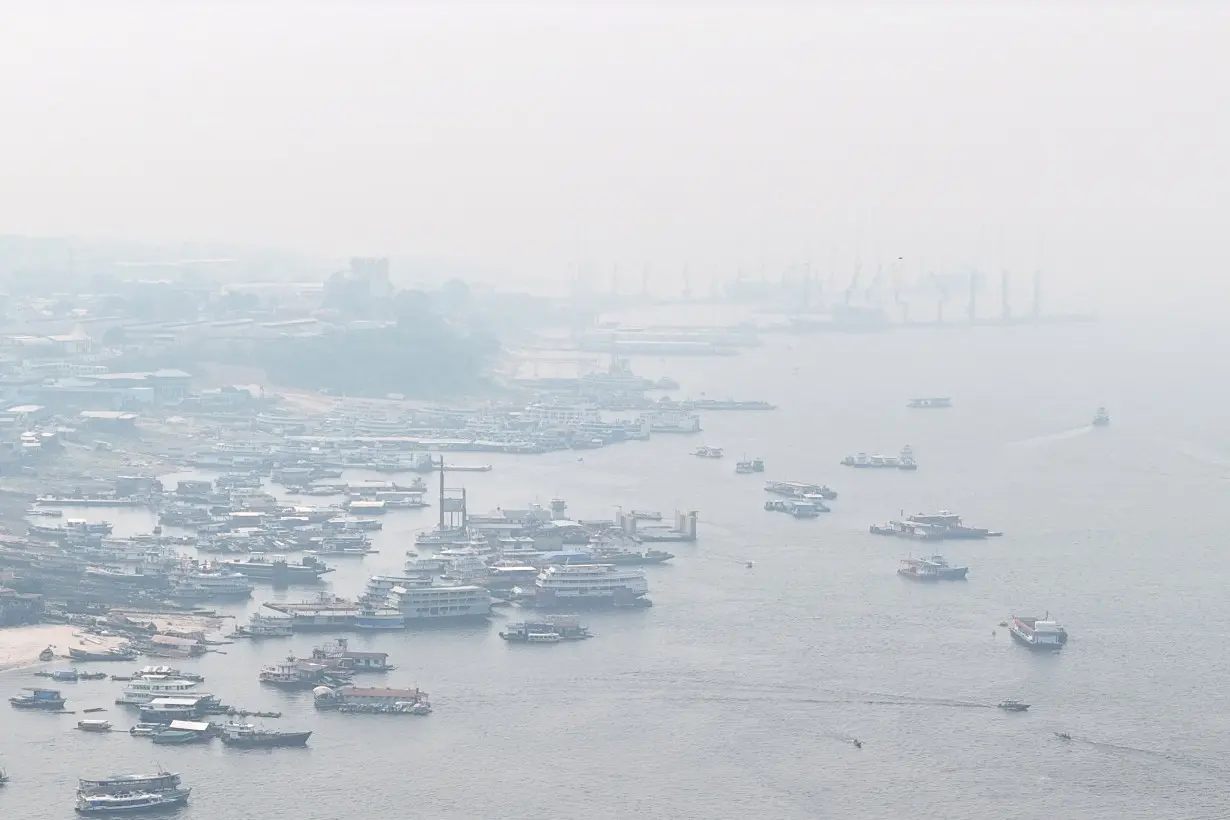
(106, 415)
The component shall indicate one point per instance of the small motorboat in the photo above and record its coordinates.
(145, 729)
(1063, 735)
(858, 744)
(1013, 705)
(46, 655)
(750, 564)
(94, 725)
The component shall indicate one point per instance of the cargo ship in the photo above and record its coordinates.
(1038, 633)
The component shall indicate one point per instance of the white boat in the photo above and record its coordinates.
(705, 451)
(377, 618)
(441, 603)
(266, 626)
(146, 729)
(209, 584)
(376, 593)
(130, 802)
(590, 585)
(142, 690)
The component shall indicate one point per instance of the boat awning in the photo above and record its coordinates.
(189, 726)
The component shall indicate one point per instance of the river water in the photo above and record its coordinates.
(739, 692)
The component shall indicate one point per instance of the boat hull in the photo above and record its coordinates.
(168, 801)
(284, 740)
(1026, 641)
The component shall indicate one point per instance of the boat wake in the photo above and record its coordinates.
(1155, 754)
(1048, 438)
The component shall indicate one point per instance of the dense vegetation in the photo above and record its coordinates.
(419, 359)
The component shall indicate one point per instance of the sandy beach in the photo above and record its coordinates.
(20, 645)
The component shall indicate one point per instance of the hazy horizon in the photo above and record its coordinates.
(530, 138)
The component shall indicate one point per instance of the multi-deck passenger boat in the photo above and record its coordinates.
(590, 585)
(278, 570)
(421, 605)
(142, 690)
(131, 793)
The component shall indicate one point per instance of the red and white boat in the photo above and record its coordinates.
(1038, 633)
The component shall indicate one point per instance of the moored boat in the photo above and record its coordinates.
(550, 630)
(106, 655)
(245, 735)
(49, 699)
(130, 793)
(931, 568)
(129, 803)
(94, 725)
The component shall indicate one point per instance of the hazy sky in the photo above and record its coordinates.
(530, 137)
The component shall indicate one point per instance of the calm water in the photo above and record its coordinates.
(738, 693)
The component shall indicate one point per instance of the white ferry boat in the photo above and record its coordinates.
(441, 603)
(376, 593)
(590, 585)
(209, 584)
(376, 618)
(263, 625)
(141, 691)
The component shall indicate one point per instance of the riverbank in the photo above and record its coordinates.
(20, 645)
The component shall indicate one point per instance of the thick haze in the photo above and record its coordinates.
(529, 138)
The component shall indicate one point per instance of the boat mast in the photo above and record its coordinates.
(441, 492)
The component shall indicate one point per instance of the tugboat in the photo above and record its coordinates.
(1038, 633)
(1013, 705)
(744, 468)
(1101, 418)
(906, 461)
